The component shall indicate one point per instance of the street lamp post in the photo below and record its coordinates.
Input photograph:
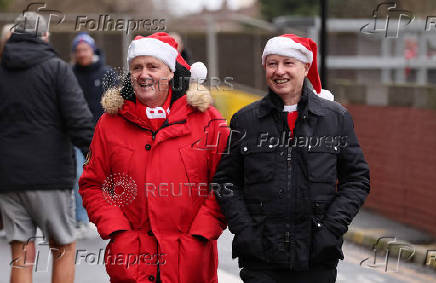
(323, 43)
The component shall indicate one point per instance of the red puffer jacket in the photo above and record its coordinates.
(156, 187)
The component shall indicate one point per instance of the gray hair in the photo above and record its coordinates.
(31, 22)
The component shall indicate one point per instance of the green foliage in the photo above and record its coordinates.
(351, 9)
(274, 8)
(4, 4)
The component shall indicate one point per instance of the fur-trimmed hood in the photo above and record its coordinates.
(197, 96)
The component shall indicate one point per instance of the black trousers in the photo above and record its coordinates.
(315, 275)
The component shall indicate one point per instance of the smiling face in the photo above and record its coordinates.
(285, 75)
(150, 80)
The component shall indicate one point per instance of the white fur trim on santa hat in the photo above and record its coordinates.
(326, 94)
(285, 46)
(153, 47)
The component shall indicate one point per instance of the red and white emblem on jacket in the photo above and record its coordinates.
(157, 112)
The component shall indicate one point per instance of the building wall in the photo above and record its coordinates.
(399, 143)
(400, 146)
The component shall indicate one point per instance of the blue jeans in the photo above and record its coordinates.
(81, 215)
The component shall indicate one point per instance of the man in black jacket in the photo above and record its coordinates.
(294, 176)
(42, 114)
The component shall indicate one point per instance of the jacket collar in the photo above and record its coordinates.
(309, 102)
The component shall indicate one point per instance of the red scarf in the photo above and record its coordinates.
(292, 117)
(154, 117)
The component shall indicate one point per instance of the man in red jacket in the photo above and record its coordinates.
(145, 183)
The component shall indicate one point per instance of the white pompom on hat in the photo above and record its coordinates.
(198, 71)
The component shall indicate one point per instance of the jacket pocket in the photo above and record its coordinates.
(195, 163)
(319, 208)
(248, 244)
(194, 252)
(120, 159)
(321, 164)
(118, 257)
(326, 247)
(259, 163)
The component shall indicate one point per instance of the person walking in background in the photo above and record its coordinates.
(42, 114)
(91, 73)
(153, 154)
(296, 174)
(186, 55)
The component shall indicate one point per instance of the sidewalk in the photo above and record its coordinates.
(379, 233)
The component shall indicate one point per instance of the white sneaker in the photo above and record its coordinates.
(2, 233)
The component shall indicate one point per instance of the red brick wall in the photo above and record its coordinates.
(400, 146)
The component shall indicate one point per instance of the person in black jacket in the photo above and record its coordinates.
(42, 114)
(92, 75)
(91, 72)
(294, 176)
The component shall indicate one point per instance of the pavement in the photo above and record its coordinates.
(375, 234)
(384, 236)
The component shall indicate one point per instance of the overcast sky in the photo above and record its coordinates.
(191, 6)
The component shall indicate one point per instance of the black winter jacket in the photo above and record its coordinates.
(289, 201)
(42, 113)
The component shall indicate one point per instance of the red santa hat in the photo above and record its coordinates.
(302, 49)
(163, 47)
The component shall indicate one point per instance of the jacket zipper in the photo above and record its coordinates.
(154, 133)
(290, 237)
(165, 124)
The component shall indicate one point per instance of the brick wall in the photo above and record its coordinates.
(400, 146)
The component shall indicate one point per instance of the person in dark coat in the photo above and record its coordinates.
(91, 72)
(42, 114)
(295, 175)
(94, 77)
(185, 53)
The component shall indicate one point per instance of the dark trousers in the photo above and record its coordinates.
(315, 275)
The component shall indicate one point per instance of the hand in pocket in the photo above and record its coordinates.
(325, 246)
(121, 256)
